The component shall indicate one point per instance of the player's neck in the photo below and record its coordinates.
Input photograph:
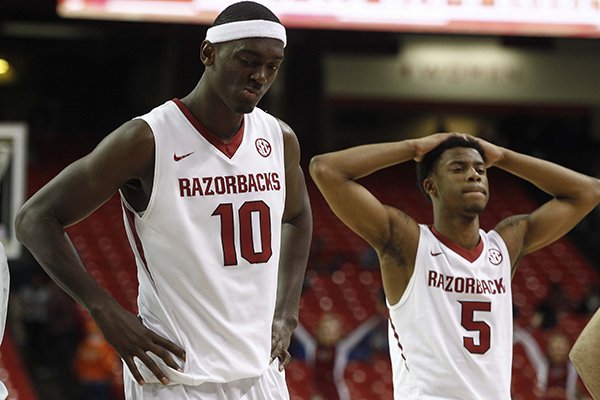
(213, 114)
(462, 231)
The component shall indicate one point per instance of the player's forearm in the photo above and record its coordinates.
(360, 161)
(585, 356)
(295, 244)
(558, 181)
(47, 241)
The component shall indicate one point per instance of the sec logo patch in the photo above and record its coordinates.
(263, 147)
(494, 256)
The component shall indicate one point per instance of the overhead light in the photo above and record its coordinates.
(4, 66)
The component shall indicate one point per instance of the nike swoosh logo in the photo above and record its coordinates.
(179, 158)
(435, 254)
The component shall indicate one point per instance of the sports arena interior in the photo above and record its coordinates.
(72, 71)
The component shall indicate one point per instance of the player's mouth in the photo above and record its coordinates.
(475, 190)
(250, 94)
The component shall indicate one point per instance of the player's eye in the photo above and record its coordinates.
(247, 61)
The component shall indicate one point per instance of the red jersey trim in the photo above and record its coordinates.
(228, 149)
(397, 337)
(469, 255)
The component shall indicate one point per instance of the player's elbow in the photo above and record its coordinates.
(323, 170)
(25, 223)
(589, 194)
(318, 167)
(579, 354)
(21, 224)
(595, 190)
(575, 354)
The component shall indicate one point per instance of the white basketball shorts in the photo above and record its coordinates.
(270, 385)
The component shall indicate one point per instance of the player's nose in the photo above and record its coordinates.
(474, 175)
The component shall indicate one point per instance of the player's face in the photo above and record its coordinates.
(245, 70)
(460, 179)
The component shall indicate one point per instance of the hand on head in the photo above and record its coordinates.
(424, 145)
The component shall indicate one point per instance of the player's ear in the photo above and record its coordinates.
(429, 187)
(207, 53)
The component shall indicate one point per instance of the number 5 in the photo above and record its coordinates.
(468, 322)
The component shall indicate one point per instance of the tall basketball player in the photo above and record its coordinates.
(217, 214)
(448, 284)
(4, 294)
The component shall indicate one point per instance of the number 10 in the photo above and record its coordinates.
(226, 214)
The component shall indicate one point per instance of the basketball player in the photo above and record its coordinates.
(585, 356)
(5, 156)
(4, 293)
(448, 284)
(217, 214)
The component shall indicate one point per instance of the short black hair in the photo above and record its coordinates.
(245, 11)
(426, 165)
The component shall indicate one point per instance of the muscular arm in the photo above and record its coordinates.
(574, 196)
(296, 234)
(585, 355)
(71, 196)
(393, 234)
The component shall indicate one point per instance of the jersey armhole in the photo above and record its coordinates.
(411, 281)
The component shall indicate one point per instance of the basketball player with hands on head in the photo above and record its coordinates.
(448, 284)
(217, 214)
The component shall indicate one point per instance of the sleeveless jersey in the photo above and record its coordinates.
(4, 294)
(451, 332)
(207, 246)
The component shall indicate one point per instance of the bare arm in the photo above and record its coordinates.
(295, 243)
(574, 196)
(393, 234)
(82, 187)
(585, 355)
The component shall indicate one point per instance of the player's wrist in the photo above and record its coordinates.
(414, 147)
(287, 320)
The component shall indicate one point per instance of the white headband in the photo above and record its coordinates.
(246, 29)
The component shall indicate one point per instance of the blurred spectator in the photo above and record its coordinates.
(522, 337)
(545, 316)
(63, 334)
(95, 364)
(378, 342)
(321, 259)
(557, 378)
(561, 378)
(33, 298)
(591, 301)
(328, 353)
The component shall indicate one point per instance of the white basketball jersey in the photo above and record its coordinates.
(451, 332)
(4, 294)
(207, 246)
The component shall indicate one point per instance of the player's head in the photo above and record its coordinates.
(558, 347)
(329, 329)
(455, 171)
(242, 52)
(245, 11)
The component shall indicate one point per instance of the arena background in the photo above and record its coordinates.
(523, 74)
